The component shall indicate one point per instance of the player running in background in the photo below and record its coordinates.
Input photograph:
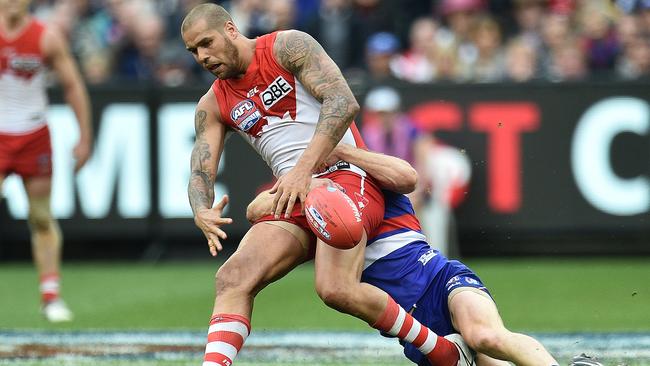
(442, 294)
(27, 48)
(287, 98)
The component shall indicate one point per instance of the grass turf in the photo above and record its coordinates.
(541, 295)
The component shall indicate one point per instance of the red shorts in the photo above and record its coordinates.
(364, 191)
(28, 155)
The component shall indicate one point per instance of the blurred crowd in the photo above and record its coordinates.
(375, 41)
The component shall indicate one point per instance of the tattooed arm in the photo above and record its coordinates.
(208, 146)
(299, 53)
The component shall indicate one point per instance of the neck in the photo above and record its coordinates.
(246, 52)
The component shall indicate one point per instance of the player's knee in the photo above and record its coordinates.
(488, 341)
(39, 220)
(336, 296)
(235, 275)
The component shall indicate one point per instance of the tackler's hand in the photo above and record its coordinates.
(209, 220)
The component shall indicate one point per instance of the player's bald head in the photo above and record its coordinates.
(214, 15)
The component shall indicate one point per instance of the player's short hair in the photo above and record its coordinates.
(215, 16)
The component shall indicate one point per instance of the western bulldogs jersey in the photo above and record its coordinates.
(23, 99)
(272, 110)
(398, 258)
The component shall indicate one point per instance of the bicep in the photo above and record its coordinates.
(304, 57)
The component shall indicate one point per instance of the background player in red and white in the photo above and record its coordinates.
(444, 295)
(284, 95)
(27, 49)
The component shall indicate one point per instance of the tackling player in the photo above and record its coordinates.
(442, 294)
(27, 48)
(285, 96)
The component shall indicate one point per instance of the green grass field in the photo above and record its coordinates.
(558, 295)
(542, 296)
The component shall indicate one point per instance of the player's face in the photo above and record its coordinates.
(213, 50)
(15, 7)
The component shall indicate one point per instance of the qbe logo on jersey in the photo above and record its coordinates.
(245, 114)
(277, 90)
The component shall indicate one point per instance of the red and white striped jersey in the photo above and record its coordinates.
(272, 110)
(23, 98)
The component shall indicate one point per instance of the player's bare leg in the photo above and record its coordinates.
(338, 274)
(266, 253)
(476, 316)
(46, 247)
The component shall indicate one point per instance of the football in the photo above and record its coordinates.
(333, 217)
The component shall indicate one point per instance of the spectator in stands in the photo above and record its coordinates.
(598, 39)
(628, 28)
(489, 65)
(459, 16)
(251, 15)
(137, 58)
(529, 15)
(386, 129)
(381, 48)
(414, 65)
(556, 29)
(444, 57)
(337, 30)
(281, 14)
(635, 61)
(443, 170)
(521, 61)
(568, 63)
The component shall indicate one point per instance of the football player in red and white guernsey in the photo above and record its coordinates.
(27, 49)
(284, 95)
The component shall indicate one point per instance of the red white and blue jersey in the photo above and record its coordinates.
(398, 258)
(272, 110)
(23, 98)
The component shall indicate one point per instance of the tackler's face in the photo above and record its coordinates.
(213, 49)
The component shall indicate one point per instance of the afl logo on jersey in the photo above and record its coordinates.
(277, 90)
(245, 114)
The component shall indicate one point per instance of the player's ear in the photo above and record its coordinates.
(230, 30)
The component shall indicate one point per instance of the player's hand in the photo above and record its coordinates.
(290, 188)
(81, 154)
(209, 220)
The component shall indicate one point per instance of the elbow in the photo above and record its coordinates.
(354, 108)
(409, 180)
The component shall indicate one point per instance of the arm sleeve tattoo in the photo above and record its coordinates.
(201, 185)
(305, 58)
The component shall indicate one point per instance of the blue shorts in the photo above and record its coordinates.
(432, 309)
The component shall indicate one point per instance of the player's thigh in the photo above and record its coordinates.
(340, 267)
(473, 312)
(266, 253)
(38, 187)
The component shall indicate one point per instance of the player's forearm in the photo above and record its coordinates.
(76, 96)
(391, 173)
(200, 191)
(337, 113)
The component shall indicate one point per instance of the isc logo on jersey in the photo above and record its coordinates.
(245, 114)
(277, 90)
